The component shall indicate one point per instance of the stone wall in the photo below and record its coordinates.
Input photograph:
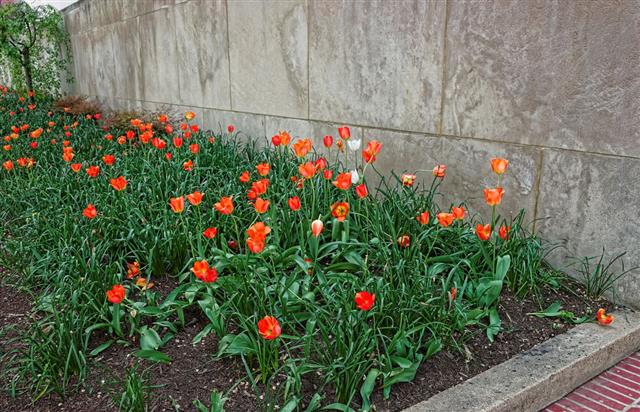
(554, 86)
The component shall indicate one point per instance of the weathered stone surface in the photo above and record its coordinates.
(83, 63)
(377, 63)
(590, 201)
(203, 59)
(158, 56)
(104, 12)
(268, 52)
(127, 60)
(247, 125)
(72, 21)
(468, 169)
(548, 371)
(134, 8)
(551, 73)
(103, 71)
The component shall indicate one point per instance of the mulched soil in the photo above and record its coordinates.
(193, 373)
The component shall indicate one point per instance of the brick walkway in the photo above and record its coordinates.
(617, 389)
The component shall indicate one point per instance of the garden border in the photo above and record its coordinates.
(545, 373)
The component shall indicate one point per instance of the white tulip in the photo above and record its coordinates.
(354, 144)
(355, 177)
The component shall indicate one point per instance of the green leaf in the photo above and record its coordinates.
(153, 355)
(236, 345)
(101, 348)
(494, 324)
(149, 338)
(367, 389)
(502, 267)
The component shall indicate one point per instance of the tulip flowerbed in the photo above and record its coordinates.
(322, 290)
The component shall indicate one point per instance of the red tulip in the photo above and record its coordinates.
(109, 160)
(307, 170)
(269, 328)
(343, 181)
(373, 148)
(499, 165)
(344, 132)
(210, 232)
(404, 241)
(261, 205)
(93, 171)
(245, 177)
(203, 272)
(294, 203)
(364, 300)
(327, 141)
(230, 128)
(339, 210)
(225, 205)
(361, 191)
(90, 211)
(504, 232)
(263, 169)
(445, 219)
(603, 318)
(118, 183)
(458, 213)
(116, 294)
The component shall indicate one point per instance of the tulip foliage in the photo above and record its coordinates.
(302, 266)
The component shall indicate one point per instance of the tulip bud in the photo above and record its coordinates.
(316, 227)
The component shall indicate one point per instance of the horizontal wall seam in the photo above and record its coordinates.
(388, 129)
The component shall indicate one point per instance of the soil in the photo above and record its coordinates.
(193, 372)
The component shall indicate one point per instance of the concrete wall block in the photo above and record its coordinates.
(247, 125)
(590, 201)
(127, 60)
(547, 73)
(268, 53)
(158, 56)
(377, 63)
(203, 59)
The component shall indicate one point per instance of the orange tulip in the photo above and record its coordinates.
(90, 211)
(343, 181)
(189, 115)
(483, 231)
(67, 156)
(203, 272)
(195, 198)
(133, 269)
(603, 318)
(36, 133)
(118, 183)
(76, 167)
(423, 218)
(499, 165)
(258, 231)
(407, 179)
(458, 213)
(194, 148)
(225, 205)
(8, 165)
(493, 196)
(261, 205)
(307, 170)
(327, 174)
(302, 147)
(445, 219)
(188, 165)
(339, 210)
(177, 204)
(263, 169)
(269, 328)
(439, 170)
(245, 177)
(373, 148)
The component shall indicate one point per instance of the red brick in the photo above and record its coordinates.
(620, 379)
(598, 397)
(629, 367)
(632, 361)
(569, 406)
(574, 397)
(633, 380)
(619, 388)
(593, 385)
(555, 408)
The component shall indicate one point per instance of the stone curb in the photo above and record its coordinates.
(545, 373)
